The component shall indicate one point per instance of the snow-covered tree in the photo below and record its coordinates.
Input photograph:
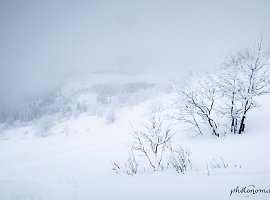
(229, 85)
(228, 93)
(196, 103)
(246, 77)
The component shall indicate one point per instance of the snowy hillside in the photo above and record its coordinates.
(134, 100)
(68, 155)
(95, 94)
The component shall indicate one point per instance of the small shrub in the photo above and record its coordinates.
(180, 160)
(110, 117)
(218, 163)
(129, 166)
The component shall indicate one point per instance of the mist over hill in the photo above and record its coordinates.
(136, 100)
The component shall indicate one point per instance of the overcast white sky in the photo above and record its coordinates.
(45, 40)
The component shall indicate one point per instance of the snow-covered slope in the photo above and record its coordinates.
(74, 162)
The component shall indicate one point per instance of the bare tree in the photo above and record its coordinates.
(187, 114)
(231, 93)
(251, 79)
(153, 140)
(229, 86)
(196, 105)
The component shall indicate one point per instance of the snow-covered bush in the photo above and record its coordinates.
(153, 140)
(129, 166)
(152, 147)
(218, 163)
(180, 160)
(110, 117)
(45, 125)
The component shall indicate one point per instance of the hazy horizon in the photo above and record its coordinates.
(42, 42)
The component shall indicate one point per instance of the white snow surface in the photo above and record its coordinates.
(74, 162)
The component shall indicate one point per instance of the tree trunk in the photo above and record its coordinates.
(232, 114)
(214, 127)
(242, 124)
(235, 126)
(232, 125)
